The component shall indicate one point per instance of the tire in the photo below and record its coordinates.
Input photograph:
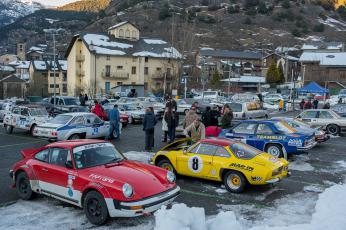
(266, 116)
(23, 187)
(131, 121)
(186, 111)
(333, 129)
(32, 129)
(166, 164)
(275, 150)
(74, 137)
(234, 181)
(95, 208)
(9, 129)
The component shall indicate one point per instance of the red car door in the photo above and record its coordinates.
(40, 165)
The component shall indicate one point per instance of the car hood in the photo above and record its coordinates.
(144, 182)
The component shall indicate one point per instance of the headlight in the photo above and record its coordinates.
(170, 177)
(127, 190)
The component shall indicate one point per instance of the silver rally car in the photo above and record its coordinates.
(70, 126)
(25, 117)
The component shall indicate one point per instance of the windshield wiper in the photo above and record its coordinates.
(114, 161)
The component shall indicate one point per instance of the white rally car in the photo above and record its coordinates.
(71, 126)
(25, 117)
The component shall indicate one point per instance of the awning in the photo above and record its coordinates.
(313, 87)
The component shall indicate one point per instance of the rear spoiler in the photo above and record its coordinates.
(29, 152)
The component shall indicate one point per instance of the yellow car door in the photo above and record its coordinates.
(221, 159)
(197, 161)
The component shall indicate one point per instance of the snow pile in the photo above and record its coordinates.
(329, 213)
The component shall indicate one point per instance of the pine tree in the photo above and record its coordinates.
(281, 79)
(273, 75)
(215, 82)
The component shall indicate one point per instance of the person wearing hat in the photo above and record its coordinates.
(196, 130)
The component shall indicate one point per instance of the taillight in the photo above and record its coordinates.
(54, 133)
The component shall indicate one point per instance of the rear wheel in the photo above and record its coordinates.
(23, 186)
(275, 150)
(74, 137)
(333, 129)
(9, 129)
(234, 181)
(32, 129)
(166, 164)
(131, 120)
(95, 208)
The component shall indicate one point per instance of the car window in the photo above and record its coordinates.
(92, 119)
(43, 155)
(236, 107)
(59, 156)
(24, 112)
(325, 115)
(206, 149)
(61, 102)
(264, 129)
(78, 121)
(16, 111)
(243, 151)
(222, 152)
(245, 128)
(309, 114)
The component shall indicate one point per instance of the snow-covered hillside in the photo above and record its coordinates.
(10, 10)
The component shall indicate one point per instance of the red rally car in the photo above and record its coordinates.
(95, 176)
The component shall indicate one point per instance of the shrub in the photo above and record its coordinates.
(251, 11)
(286, 4)
(318, 28)
(296, 32)
(234, 9)
(262, 8)
(164, 13)
(247, 21)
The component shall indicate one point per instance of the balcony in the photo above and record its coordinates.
(80, 58)
(161, 77)
(80, 73)
(116, 75)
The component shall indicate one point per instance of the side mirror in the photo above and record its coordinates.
(184, 151)
(69, 165)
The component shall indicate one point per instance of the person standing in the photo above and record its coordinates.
(207, 117)
(196, 130)
(98, 111)
(149, 123)
(315, 103)
(165, 126)
(114, 122)
(86, 98)
(215, 114)
(190, 117)
(281, 105)
(226, 119)
(308, 105)
(301, 104)
(81, 100)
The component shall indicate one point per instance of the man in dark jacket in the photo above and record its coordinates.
(149, 123)
(114, 121)
(315, 103)
(207, 117)
(226, 120)
(81, 100)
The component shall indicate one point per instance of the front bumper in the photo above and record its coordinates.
(307, 147)
(322, 138)
(143, 206)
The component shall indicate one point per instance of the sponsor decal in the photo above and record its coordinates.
(270, 137)
(241, 166)
(195, 164)
(256, 178)
(91, 146)
(70, 179)
(101, 178)
(273, 159)
(295, 142)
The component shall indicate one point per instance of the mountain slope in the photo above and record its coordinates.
(11, 10)
(86, 5)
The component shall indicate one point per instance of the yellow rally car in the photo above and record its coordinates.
(234, 163)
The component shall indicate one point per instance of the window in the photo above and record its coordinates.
(158, 69)
(64, 77)
(146, 70)
(108, 57)
(61, 102)
(264, 129)
(222, 152)
(242, 151)
(107, 86)
(119, 67)
(245, 128)
(146, 59)
(43, 155)
(16, 111)
(77, 121)
(119, 83)
(64, 88)
(204, 149)
(127, 34)
(308, 114)
(133, 70)
(59, 157)
(52, 74)
(121, 33)
(52, 86)
(325, 115)
(92, 119)
(108, 70)
(24, 112)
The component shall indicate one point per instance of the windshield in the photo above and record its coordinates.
(236, 107)
(38, 112)
(243, 151)
(130, 107)
(61, 119)
(92, 155)
(284, 127)
(70, 101)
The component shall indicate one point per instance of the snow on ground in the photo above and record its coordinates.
(298, 212)
(300, 163)
(337, 25)
(154, 41)
(139, 156)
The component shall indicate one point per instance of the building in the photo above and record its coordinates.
(7, 58)
(21, 51)
(99, 62)
(243, 83)
(324, 47)
(22, 68)
(37, 84)
(60, 80)
(12, 86)
(327, 69)
(6, 70)
(35, 53)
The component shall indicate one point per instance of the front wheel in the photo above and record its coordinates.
(166, 164)
(131, 120)
(275, 150)
(234, 182)
(95, 208)
(333, 129)
(9, 129)
(23, 186)
(74, 137)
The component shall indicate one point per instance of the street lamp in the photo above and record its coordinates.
(54, 32)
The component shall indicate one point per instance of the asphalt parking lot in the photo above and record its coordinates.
(324, 166)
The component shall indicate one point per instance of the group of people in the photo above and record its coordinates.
(312, 105)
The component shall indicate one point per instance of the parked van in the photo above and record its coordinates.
(248, 110)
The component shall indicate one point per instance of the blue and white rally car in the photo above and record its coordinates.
(70, 126)
(274, 137)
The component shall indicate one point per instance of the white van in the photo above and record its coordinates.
(247, 110)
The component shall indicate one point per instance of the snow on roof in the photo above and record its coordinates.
(246, 79)
(207, 48)
(63, 64)
(230, 54)
(103, 40)
(23, 65)
(325, 59)
(337, 25)
(40, 65)
(7, 68)
(292, 58)
(322, 45)
(100, 50)
(117, 25)
(154, 41)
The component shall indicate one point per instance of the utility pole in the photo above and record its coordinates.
(229, 79)
(54, 63)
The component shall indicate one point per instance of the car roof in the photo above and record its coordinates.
(77, 113)
(257, 121)
(74, 143)
(218, 141)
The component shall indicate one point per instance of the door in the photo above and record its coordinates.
(197, 161)
(13, 118)
(40, 166)
(24, 119)
(245, 132)
(309, 116)
(78, 125)
(324, 118)
(107, 87)
(263, 133)
(220, 157)
(95, 126)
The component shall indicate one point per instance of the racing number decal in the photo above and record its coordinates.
(195, 164)
(95, 131)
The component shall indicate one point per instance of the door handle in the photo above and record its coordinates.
(44, 170)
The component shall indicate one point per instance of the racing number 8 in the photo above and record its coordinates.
(195, 164)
